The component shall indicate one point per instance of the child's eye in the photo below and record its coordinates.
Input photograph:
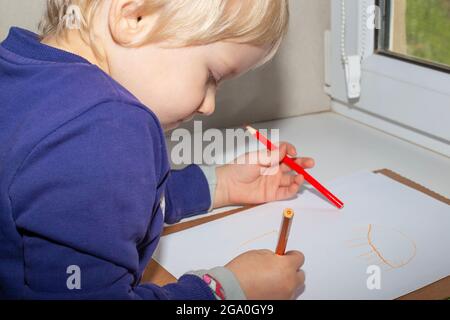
(212, 78)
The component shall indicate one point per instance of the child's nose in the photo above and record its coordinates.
(209, 103)
(206, 110)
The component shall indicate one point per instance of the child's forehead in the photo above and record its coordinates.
(239, 52)
(237, 58)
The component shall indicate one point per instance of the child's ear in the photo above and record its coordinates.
(128, 23)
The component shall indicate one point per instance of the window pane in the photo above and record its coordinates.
(419, 29)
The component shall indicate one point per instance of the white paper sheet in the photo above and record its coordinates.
(384, 223)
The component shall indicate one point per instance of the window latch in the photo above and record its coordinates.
(353, 76)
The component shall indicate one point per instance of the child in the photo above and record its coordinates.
(85, 183)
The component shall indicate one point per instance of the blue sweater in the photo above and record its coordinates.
(83, 170)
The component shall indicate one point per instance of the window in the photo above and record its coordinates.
(405, 84)
(417, 31)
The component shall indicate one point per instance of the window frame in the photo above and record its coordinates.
(394, 93)
(381, 42)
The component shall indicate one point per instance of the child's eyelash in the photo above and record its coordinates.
(212, 78)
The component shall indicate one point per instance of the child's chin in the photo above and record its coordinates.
(171, 126)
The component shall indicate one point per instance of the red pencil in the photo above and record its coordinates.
(294, 166)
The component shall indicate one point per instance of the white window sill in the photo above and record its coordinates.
(342, 146)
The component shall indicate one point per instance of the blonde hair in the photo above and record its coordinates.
(188, 22)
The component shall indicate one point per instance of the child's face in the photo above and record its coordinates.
(177, 83)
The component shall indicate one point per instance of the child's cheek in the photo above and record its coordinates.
(190, 101)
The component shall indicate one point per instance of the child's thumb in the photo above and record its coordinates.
(272, 158)
(279, 154)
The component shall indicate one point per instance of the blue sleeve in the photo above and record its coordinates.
(187, 194)
(86, 196)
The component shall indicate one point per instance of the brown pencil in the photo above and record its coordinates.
(288, 214)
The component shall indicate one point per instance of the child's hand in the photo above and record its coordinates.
(263, 275)
(261, 182)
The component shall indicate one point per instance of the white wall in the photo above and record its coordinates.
(292, 84)
(23, 13)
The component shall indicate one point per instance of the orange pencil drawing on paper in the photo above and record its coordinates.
(382, 258)
(400, 250)
(264, 235)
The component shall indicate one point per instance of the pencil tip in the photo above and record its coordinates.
(251, 129)
(288, 213)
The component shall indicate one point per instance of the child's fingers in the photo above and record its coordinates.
(297, 258)
(299, 179)
(306, 163)
(285, 193)
(292, 151)
(301, 277)
(272, 158)
(267, 158)
(287, 180)
(280, 154)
